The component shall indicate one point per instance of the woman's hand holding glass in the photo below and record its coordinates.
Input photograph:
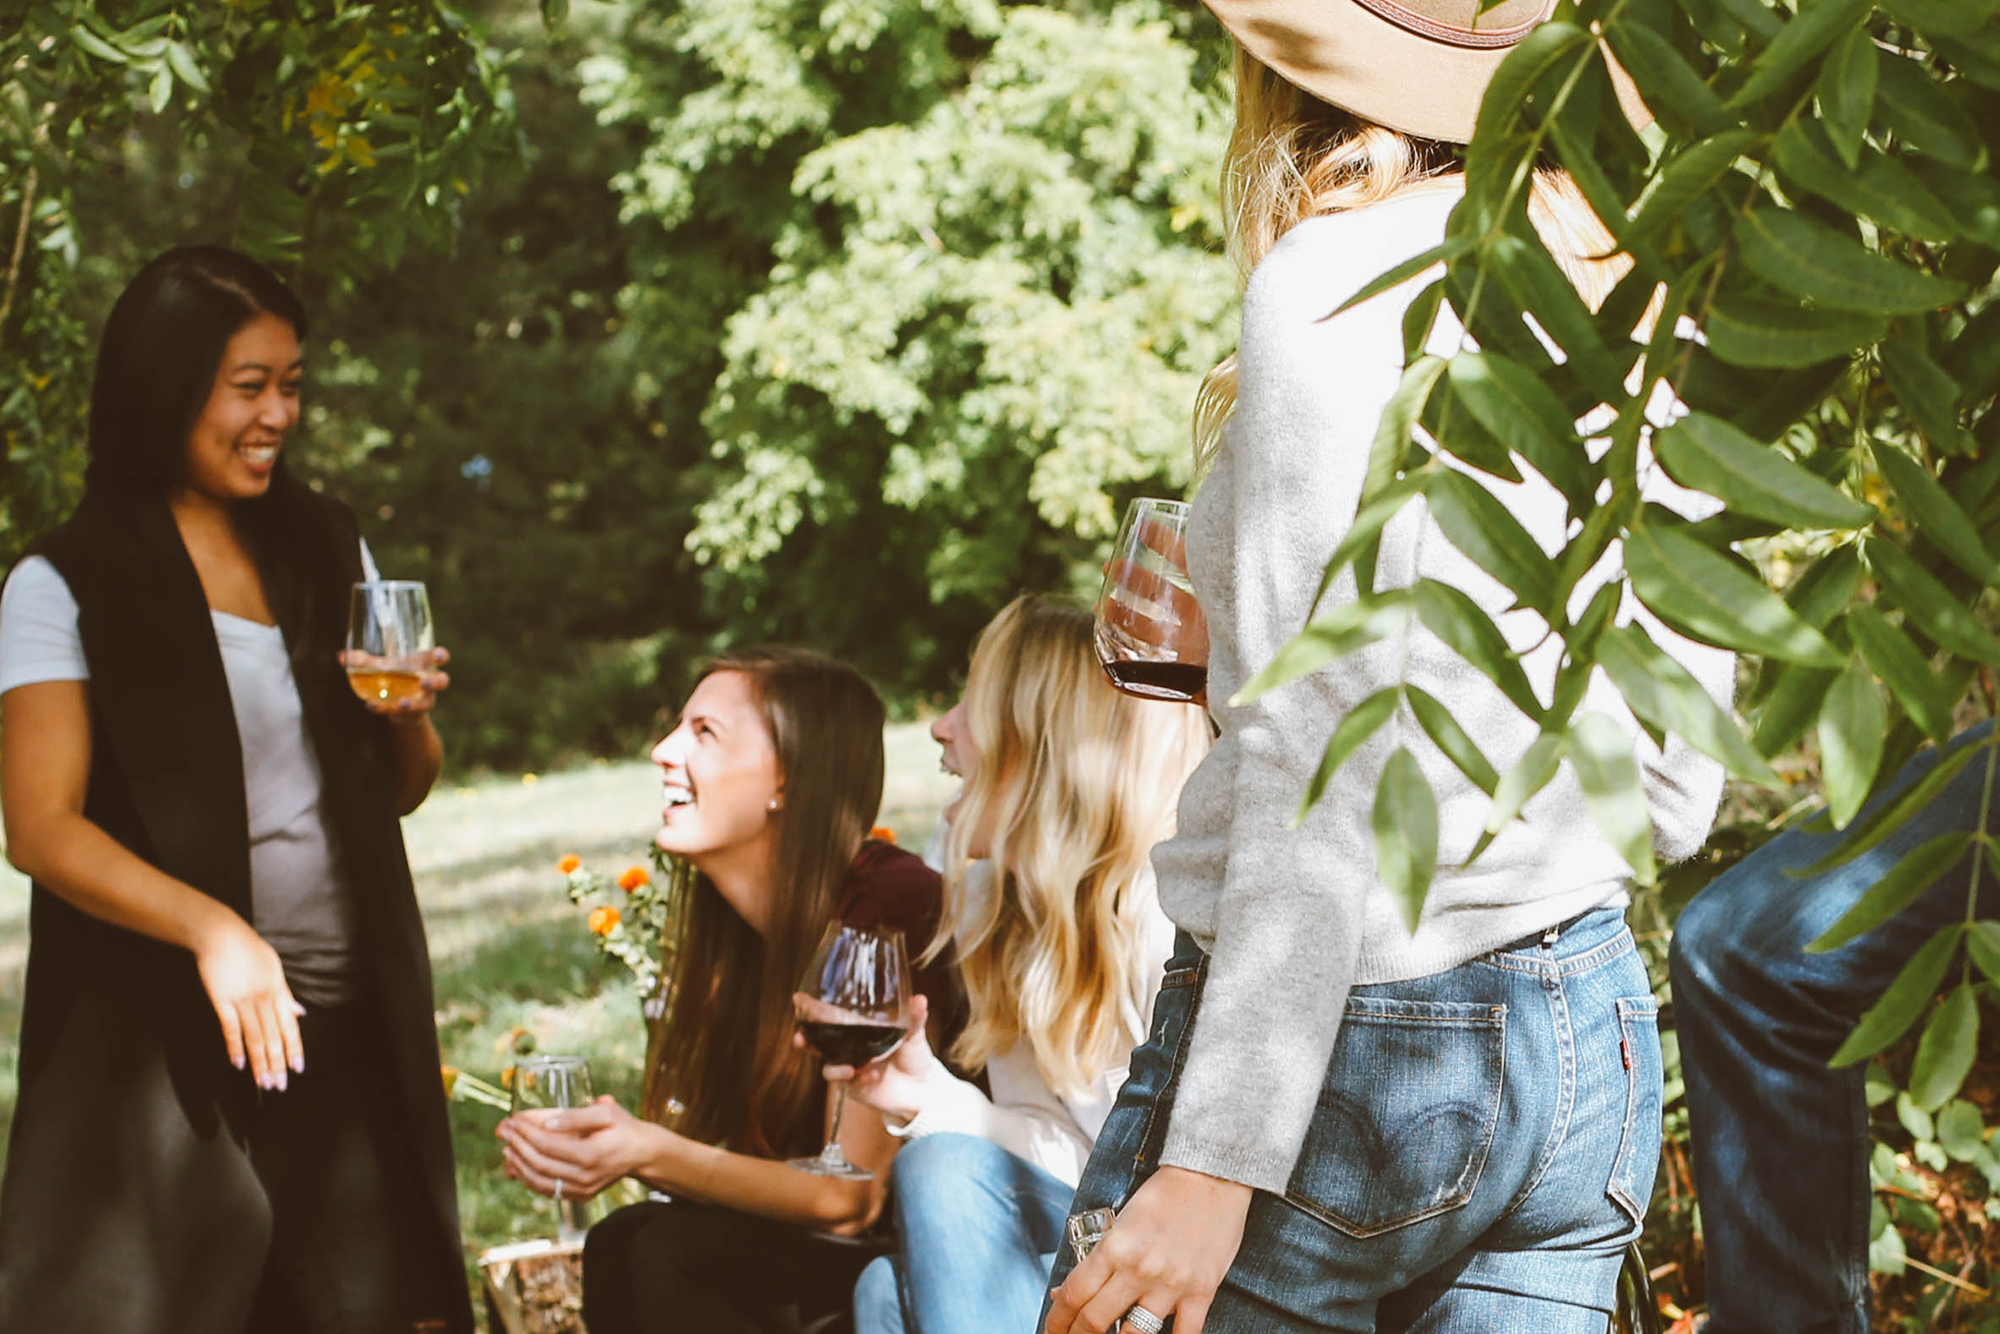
(392, 663)
(898, 1084)
(586, 1149)
(1167, 1252)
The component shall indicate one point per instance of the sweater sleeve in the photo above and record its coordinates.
(1290, 914)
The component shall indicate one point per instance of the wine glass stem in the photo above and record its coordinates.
(832, 1151)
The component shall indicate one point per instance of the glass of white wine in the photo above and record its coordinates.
(389, 640)
(556, 1083)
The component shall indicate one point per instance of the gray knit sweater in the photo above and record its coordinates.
(1294, 917)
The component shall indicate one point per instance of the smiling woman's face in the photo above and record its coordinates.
(722, 784)
(251, 408)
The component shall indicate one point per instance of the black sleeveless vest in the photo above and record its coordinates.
(129, 1202)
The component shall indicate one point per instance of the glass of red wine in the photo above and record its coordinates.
(853, 1007)
(1151, 637)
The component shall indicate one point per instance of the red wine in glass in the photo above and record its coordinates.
(1151, 638)
(854, 1007)
(856, 1044)
(1182, 682)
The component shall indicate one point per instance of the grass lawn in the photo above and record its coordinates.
(511, 954)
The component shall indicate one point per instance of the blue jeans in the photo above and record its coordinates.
(1780, 1141)
(1483, 1150)
(979, 1229)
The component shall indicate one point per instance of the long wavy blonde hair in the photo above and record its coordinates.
(1292, 157)
(1077, 782)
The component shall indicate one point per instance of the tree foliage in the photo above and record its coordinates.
(963, 259)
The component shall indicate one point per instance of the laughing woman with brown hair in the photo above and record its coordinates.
(772, 778)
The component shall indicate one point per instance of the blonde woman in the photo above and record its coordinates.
(1051, 918)
(1339, 1124)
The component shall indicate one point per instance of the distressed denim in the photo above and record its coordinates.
(1780, 1141)
(1484, 1147)
(979, 1229)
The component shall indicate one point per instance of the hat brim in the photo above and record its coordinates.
(1343, 53)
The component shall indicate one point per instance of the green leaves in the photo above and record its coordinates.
(1811, 260)
(1601, 752)
(1895, 891)
(1944, 1054)
(1928, 393)
(1361, 722)
(1349, 626)
(1929, 604)
(1818, 24)
(1895, 660)
(1944, 524)
(1485, 530)
(1405, 821)
(1663, 693)
(1708, 454)
(1846, 90)
(1706, 597)
(1852, 727)
(1890, 1017)
(1520, 411)
(1757, 332)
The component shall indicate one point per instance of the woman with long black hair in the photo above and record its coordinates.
(230, 1116)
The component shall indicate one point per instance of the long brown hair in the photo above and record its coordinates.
(1078, 783)
(725, 1071)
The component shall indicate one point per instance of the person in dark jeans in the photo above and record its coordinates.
(1780, 1139)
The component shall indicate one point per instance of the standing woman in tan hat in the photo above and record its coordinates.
(1337, 1124)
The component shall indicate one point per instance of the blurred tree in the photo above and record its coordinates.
(963, 259)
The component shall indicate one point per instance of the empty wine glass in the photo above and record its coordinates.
(556, 1083)
(389, 640)
(1151, 637)
(853, 1007)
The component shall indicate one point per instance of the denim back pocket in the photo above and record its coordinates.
(1639, 1144)
(1406, 1115)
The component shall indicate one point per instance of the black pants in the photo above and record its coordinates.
(688, 1268)
(352, 1237)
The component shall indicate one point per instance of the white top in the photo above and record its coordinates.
(299, 901)
(1293, 916)
(1024, 1115)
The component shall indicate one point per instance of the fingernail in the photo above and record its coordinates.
(236, 1061)
(554, 1123)
(299, 1065)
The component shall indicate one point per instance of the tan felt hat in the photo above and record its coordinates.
(1419, 66)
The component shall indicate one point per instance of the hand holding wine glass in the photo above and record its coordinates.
(391, 656)
(1151, 636)
(854, 1007)
(552, 1084)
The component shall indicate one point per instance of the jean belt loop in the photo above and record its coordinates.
(1550, 936)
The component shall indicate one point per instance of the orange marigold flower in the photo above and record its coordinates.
(569, 863)
(507, 1078)
(634, 878)
(450, 1074)
(882, 833)
(602, 920)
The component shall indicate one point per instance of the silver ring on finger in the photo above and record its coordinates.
(559, 1186)
(1144, 1321)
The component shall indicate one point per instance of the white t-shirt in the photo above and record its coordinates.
(1025, 1116)
(299, 898)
